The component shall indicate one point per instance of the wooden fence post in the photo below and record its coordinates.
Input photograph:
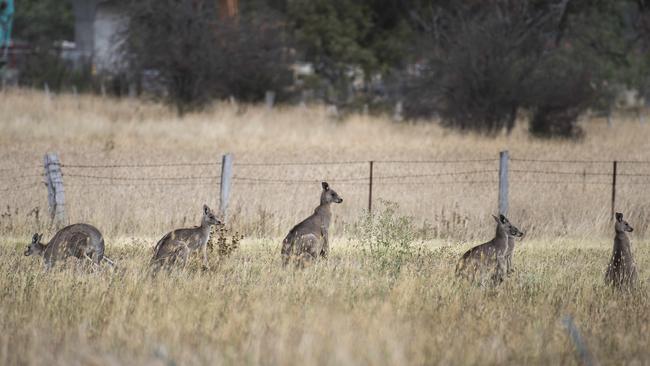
(55, 191)
(370, 188)
(226, 179)
(504, 159)
(613, 189)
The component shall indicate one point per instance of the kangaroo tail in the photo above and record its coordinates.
(462, 262)
(460, 266)
(287, 248)
(98, 256)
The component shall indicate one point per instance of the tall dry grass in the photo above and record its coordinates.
(351, 310)
(92, 130)
(401, 307)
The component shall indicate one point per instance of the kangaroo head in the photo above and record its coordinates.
(621, 225)
(329, 195)
(35, 247)
(507, 226)
(208, 216)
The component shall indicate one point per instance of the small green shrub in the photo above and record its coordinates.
(386, 237)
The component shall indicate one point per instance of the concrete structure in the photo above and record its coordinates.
(98, 24)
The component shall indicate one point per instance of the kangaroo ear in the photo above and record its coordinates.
(35, 238)
(496, 219)
(326, 186)
(206, 209)
(503, 219)
(619, 217)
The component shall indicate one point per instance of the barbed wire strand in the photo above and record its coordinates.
(145, 165)
(272, 180)
(552, 161)
(466, 161)
(22, 187)
(139, 184)
(140, 178)
(548, 172)
(21, 176)
(442, 174)
(300, 163)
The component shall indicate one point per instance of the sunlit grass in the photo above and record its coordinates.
(403, 306)
(351, 309)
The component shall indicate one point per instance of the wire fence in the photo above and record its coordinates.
(523, 171)
(424, 188)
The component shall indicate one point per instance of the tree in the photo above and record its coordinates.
(197, 57)
(41, 21)
(342, 37)
(477, 64)
(485, 61)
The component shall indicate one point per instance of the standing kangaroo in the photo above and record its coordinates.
(178, 244)
(309, 239)
(621, 271)
(510, 252)
(490, 255)
(78, 240)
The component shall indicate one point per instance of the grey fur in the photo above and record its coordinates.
(491, 256)
(177, 245)
(78, 240)
(309, 239)
(621, 271)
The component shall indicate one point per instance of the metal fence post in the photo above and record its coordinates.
(372, 163)
(613, 189)
(224, 188)
(55, 190)
(504, 159)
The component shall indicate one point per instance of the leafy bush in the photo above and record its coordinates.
(198, 57)
(45, 66)
(387, 237)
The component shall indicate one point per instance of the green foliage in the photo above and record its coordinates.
(199, 58)
(46, 67)
(341, 37)
(331, 32)
(486, 61)
(38, 21)
(387, 237)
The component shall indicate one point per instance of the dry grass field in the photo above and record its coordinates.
(399, 304)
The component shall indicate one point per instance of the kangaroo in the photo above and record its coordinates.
(509, 253)
(178, 244)
(621, 271)
(309, 239)
(78, 240)
(492, 254)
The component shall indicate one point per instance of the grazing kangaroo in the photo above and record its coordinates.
(178, 244)
(309, 239)
(490, 255)
(78, 240)
(621, 271)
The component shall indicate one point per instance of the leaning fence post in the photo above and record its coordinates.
(55, 191)
(503, 182)
(613, 189)
(370, 188)
(226, 178)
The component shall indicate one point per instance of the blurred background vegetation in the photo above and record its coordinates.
(474, 65)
